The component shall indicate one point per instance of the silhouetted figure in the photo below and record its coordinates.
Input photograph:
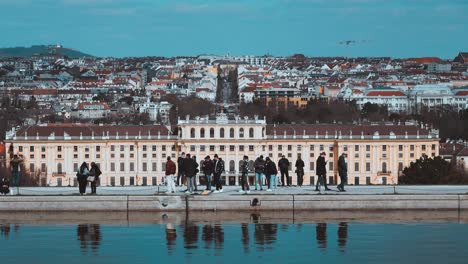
(82, 176)
(208, 235)
(218, 239)
(342, 236)
(5, 230)
(321, 235)
(89, 236)
(245, 237)
(265, 234)
(171, 237)
(190, 236)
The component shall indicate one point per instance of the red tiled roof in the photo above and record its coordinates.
(462, 93)
(424, 60)
(86, 130)
(311, 130)
(82, 105)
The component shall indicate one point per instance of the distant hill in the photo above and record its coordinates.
(40, 49)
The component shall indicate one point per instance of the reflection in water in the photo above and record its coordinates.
(190, 235)
(89, 236)
(207, 235)
(218, 239)
(6, 228)
(171, 237)
(342, 236)
(321, 235)
(245, 237)
(212, 234)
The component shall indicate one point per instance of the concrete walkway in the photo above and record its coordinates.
(233, 190)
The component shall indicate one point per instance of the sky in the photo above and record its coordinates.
(122, 28)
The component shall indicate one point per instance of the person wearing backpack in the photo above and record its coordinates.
(96, 172)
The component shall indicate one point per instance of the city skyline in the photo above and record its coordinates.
(357, 28)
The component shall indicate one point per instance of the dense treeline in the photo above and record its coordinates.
(427, 170)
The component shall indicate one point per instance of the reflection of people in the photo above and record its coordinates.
(5, 230)
(321, 235)
(245, 237)
(190, 235)
(89, 235)
(342, 235)
(171, 237)
(208, 235)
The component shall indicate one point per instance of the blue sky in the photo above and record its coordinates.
(397, 28)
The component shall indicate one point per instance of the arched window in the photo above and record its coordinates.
(232, 166)
(202, 132)
(251, 132)
(221, 133)
(231, 133)
(384, 166)
(211, 132)
(59, 168)
(192, 133)
(241, 132)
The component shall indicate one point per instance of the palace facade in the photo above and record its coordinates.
(136, 155)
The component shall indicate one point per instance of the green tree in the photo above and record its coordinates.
(428, 170)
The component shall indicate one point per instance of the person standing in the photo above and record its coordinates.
(170, 172)
(181, 167)
(190, 167)
(218, 170)
(259, 166)
(194, 179)
(343, 172)
(283, 165)
(271, 174)
(207, 169)
(321, 171)
(15, 167)
(300, 170)
(245, 175)
(96, 172)
(82, 176)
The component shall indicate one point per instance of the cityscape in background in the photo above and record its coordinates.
(61, 107)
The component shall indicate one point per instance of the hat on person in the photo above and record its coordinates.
(207, 157)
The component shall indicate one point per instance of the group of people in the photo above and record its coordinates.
(264, 169)
(85, 175)
(188, 170)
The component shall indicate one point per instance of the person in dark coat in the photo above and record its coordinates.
(321, 171)
(181, 171)
(96, 172)
(259, 166)
(300, 170)
(190, 168)
(245, 175)
(207, 169)
(4, 186)
(82, 176)
(271, 174)
(283, 165)
(170, 172)
(218, 169)
(343, 172)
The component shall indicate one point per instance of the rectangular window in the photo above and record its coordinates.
(433, 147)
(43, 156)
(154, 147)
(221, 148)
(144, 166)
(75, 166)
(356, 166)
(367, 166)
(212, 148)
(202, 148)
(31, 156)
(31, 167)
(112, 148)
(43, 148)
(311, 155)
(231, 148)
(122, 148)
(411, 147)
(59, 148)
(154, 155)
(312, 166)
(367, 147)
(280, 147)
(270, 147)
(411, 155)
(132, 166)
(98, 156)
(400, 155)
(163, 147)
(330, 165)
(345, 148)
(251, 148)
(400, 147)
(356, 155)
(384, 155)
(263, 148)
(321, 147)
(192, 148)
(400, 166)
(330, 155)
(144, 147)
(423, 147)
(20, 148)
(132, 155)
(145, 156)
(98, 148)
(132, 147)
(299, 148)
(330, 147)
(367, 155)
(75, 156)
(154, 166)
(289, 147)
(31, 148)
(112, 166)
(356, 147)
(86, 156)
(122, 166)
(241, 148)
(43, 167)
(163, 166)
(75, 148)
(384, 147)
(86, 149)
